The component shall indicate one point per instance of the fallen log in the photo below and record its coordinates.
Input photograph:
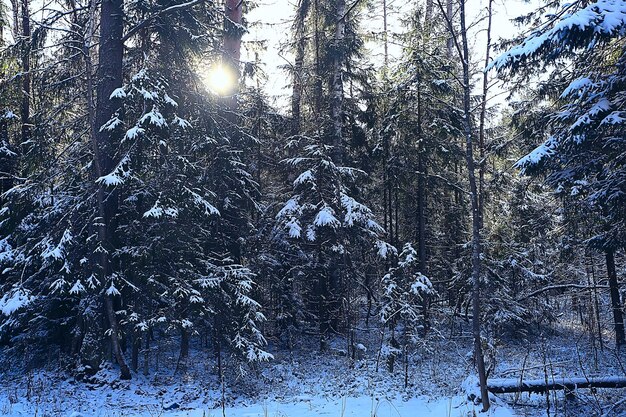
(538, 386)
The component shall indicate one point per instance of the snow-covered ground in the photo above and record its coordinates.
(304, 383)
(299, 407)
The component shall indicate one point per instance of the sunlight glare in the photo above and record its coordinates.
(220, 80)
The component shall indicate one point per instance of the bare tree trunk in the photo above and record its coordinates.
(233, 10)
(115, 340)
(296, 96)
(323, 300)
(388, 217)
(476, 215)
(232, 46)
(184, 343)
(596, 302)
(109, 76)
(146, 355)
(26, 93)
(184, 349)
(15, 5)
(450, 41)
(616, 302)
(421, 187)
(385, 37)
(336, 117)
(429, 12)
(7, 162)
(483, 116)
(336, 84)
(135, 351)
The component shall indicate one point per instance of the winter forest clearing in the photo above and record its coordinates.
(300, 208)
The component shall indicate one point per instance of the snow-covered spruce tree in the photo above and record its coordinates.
(584, 152)
(179, 244)
(331, 232)
(331, 226)
(32, 196)
(175, 197)
(404, 305)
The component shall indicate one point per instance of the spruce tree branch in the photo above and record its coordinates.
(166, 11)
(561, 287)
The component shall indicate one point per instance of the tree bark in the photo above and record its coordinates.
(476, 215)
(109, 77)
(15, 5)
(429, 11)
(184, 344)
(298, 70)
(483, 116)
(115, 339)
(336, 84)
(146, 355)
(385, 38)
(7, 162)
(26, 78)
(421, 188)
(135, 351)
(232, 48)
(450, 41)
(616, 302)
(539, 386)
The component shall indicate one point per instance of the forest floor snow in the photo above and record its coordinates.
(305, 383)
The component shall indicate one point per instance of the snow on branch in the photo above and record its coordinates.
(601, 19)
(119, 174)
(14, 300)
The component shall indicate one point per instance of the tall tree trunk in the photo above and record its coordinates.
(336, 84)
(450, 41)
(476, 215)
(429, 12)
(26, 93)
(336, 137)
(115, 339)
(15, 5)
(109, 77)
(385, 38)
(421, 187)
(616, 302)
(323, 299)
(298, 70)
(184, 349)
(134, 358)
(385, 137)
(232, 47)
(483, 117)
(146, 355)
(7, 161)
(317, 86)
(232, 59)
(596, 302)
(296, 96)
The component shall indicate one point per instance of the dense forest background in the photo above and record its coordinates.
(152, 195)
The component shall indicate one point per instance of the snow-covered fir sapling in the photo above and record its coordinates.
(405, 298)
